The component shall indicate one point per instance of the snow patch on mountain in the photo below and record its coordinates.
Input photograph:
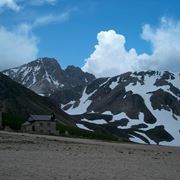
(15, 70)
(37, 68)
(34, 79)
(105, 82)
(142, 86)
(133, 122)
(176, 80)
(99, 121)
(138, 140)
(114, 84)
(81, 126)
(83, 104)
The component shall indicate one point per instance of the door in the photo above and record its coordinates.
(33, 128)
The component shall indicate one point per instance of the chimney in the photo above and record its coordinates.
(53, 117)
(1, 120)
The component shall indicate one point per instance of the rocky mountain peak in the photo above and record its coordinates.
(77, 77)
(45, 75)
(72, 68)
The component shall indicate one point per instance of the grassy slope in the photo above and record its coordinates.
(16, 99)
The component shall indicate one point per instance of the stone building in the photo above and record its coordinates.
(40, 124)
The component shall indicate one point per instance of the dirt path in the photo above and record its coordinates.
(36, 157)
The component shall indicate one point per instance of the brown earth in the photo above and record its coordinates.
(38, 157)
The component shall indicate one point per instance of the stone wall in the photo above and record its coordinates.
(0, 120)
(41, 127)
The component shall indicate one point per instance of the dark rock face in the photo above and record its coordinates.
(95, 116)
(76, 77)
(95, 85)
(159, 134)
(164, 100)
(65, 95)
(44, 76)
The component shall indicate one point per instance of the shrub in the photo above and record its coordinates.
(12, 120)
(76, 132)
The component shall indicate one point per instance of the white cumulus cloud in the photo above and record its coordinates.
(165, 42)
(110, 56)
(17, 47)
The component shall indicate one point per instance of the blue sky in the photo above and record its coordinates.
(67, 29)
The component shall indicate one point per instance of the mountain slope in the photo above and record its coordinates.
(141, 106)
(16, 99)
(45, 75)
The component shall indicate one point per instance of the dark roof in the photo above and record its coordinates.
(39, 118)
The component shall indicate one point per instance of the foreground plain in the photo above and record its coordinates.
(38, 157)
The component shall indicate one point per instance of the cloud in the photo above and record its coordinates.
(17, 47)
(165, 42)
(110, 56)
(51, 18)
(47, 19)
(20, 45)
(42, 2)
(15, 4)
(10, 4)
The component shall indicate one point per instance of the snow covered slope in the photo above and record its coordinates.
(142, 106)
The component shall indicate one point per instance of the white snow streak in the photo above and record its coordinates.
(99, 121)
(81, 126)
(114, 84)
(83, 105)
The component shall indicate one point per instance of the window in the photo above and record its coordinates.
(33, 128)
(41, 124)
(48, 124)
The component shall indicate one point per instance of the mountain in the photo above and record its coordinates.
(141, 106)
(18, 100)
(45, 75)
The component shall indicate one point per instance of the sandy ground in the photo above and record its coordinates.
(36, 157)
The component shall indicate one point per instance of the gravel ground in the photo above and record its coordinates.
(38, 157)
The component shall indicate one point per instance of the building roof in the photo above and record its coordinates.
(39, 118)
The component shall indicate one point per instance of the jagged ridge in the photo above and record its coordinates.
(45, 75)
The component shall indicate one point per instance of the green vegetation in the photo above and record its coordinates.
(12, 121)
(76, 132)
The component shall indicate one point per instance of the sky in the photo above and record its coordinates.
(102, 37)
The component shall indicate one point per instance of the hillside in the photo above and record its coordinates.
(16, 99)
